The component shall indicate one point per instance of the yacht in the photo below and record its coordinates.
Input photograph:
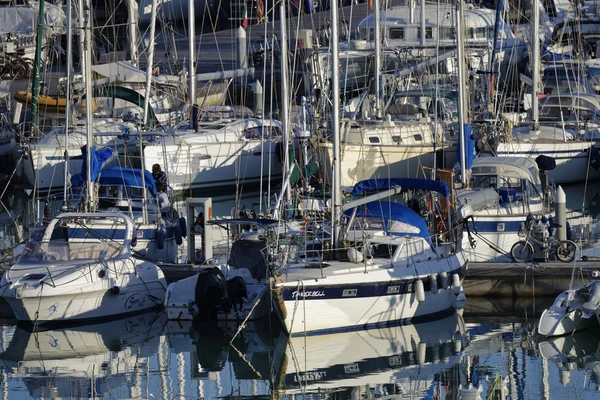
(568, 132)
(227, 147)
(503, 192)
(73, 271)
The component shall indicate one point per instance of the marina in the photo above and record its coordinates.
(338, 200)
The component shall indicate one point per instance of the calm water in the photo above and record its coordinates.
(146, 357)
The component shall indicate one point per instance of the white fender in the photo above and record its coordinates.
(421, 353)
(456, 286)
(118, 290)
(443, 280)
(433, 283)
(436, 354)
(457, 343)
(420, 290)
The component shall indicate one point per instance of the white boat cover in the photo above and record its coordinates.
(23, 19)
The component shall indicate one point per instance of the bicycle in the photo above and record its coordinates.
(536, 233)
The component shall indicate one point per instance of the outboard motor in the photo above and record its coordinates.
(237, 291)
(545, 164)
(210, 294)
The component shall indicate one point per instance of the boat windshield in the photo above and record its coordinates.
(53, 252)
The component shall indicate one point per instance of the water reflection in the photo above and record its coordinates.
(577, 352)
(399, 360)
(83, 360)
(146, 357)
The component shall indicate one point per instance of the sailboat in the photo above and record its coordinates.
(377, 281)
(73, 271)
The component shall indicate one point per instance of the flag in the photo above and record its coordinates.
(245, 16)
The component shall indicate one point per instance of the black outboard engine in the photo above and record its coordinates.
(237, 291)
(211, 294)
(545, 164)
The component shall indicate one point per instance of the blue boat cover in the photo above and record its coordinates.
(99, 159)
(127, 177)
(375, 185)
(395, 212)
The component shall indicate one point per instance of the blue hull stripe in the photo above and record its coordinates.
(360, 290)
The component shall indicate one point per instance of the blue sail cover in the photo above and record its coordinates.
(99, 159)
(377, 185)
(470, 152)
(387, 210)
(117, 176)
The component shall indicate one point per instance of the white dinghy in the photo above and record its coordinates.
(71, 272)
(573, 310)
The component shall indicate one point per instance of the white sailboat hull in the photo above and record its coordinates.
(212, 166)
(572, 158)
(360, 162)
(368, 298)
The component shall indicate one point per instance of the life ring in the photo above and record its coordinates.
(260, 9)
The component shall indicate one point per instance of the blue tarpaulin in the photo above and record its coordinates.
(99, 159)
(376, 185)
(395, 212)
(470, 153)
(127, 177)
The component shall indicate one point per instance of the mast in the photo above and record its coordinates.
(377, 55)
(336, 196)
(462, 115)
(132, 14)
(192, 63)
(150, 63)
(536, 65)
(35, 84)
(285, 138)
(68, 99)
(87, 57)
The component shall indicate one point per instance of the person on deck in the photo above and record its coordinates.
(159, 175)
(163, 200)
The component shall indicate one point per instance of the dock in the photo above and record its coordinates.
(516, 280)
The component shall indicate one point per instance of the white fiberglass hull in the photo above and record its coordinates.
(572, 158)
(212, 166)
(493, 233)
(84, 293)
(356, 301)
(360, 162)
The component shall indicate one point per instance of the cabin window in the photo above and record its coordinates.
(374, 139)
(397, 33)
(447, 33)
(261, 131)
(477, 33)
(382, 250)
(415, 247)
(428, 32)
(418, 137)
(486, 181)
(397, 139)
